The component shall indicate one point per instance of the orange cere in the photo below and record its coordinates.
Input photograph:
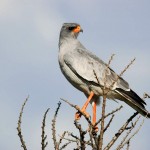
(77, 29)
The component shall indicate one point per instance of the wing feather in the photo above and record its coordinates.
(84, 64)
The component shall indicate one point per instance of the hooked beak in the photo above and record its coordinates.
(81, 30)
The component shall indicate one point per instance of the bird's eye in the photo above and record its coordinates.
(71, 28)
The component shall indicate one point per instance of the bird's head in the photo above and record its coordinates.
(71, 30)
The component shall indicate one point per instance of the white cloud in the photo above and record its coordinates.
(48, 24)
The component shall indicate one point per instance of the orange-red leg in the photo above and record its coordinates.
(78, 114)
(94, 112)
(94, 115)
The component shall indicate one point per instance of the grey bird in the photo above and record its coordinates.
(89, 74)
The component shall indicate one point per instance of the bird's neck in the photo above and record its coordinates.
(69, 42)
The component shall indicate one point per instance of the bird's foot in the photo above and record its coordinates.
(79, 114)
(95, 129)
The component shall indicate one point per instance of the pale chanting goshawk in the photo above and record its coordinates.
(87, 73)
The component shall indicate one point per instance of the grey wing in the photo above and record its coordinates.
(89, 67)
(85, 65)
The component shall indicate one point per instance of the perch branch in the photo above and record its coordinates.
(78, 109)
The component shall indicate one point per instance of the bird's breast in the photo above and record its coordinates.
(74, 79)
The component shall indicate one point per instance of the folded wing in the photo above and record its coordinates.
(92, 69)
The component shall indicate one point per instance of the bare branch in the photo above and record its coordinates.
(121, 145)
(145, 95)
(19, 125)
(122, 72)
(109, 62)
(100, 138)
(128, 140)
(127, 67)
(65, 145)
(93, 138)
(61, 138)
(128, 145)
(120, 131)
(74, 136)
(79, 110)
(107, 126)
(43, 131)
(70, 140)
(111, 113)
(54, 129)
(82, 135)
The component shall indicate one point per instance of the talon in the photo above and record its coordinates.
(78, 115)
(95, 129)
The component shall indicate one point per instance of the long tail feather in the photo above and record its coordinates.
(133, 100)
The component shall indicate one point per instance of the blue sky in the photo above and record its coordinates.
(29, 33)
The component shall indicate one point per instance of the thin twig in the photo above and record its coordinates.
(70, 140)
(125, 69)
(61, 138)
(74, 136)
(19, 125)
(91, 136)
(109, 62)
(54, 129)
(107, 126)
(122, 72)
(65, 145)
(127, 134)
(128, 145)
(120, 131)
(145, 95)
(128, 140)
(114, 111)
(79, 110)
(43, 131)
(82, 135)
